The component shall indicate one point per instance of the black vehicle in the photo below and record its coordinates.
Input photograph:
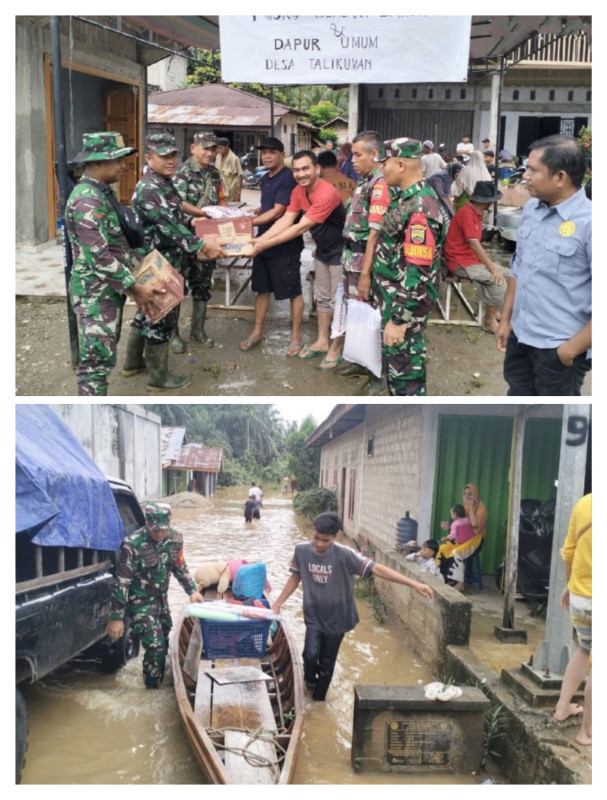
(63, 592)
(536, 529)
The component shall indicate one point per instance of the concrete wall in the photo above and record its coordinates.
(123, 440)
(83, 45)
(168, 74)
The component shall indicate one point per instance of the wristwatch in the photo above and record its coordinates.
(403, 319)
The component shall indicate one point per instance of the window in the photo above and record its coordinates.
(551, 94)
(462, 94)
(284, 127)
(380, 92)
(430, 94)
(447, 94)
(397, 93)
(370, 446)
(515, 94)
(532, 94)
(413, 94)
(588, 96)
(570, 96)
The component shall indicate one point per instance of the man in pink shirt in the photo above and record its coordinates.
(315, 206)
(466, 257)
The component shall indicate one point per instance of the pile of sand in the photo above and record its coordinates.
(187, 500)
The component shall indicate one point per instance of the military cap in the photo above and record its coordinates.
(158, 515)
(103, 146)
(400, 148)
(205, 139)
(161, 143)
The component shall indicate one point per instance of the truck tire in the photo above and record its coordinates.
(116, 655)
(22, 732)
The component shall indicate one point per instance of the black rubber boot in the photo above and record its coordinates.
(159, 377)
(176, 342)
(199, 315)
(373, 387)
(134, 361)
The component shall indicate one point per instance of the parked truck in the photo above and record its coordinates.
(70, 522)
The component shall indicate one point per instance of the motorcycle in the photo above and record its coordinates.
(251, 175)
(536, 529)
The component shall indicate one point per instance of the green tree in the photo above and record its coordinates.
(322, 112)
(303, 462)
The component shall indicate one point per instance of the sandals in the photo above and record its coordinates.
(294, 349)
(248, 344)
(438, 691)
(330, 363)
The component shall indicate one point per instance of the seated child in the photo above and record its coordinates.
(460, 529)
(425, 557)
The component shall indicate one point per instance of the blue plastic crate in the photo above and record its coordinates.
(242, 639)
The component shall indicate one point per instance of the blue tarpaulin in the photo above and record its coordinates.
(61, 494)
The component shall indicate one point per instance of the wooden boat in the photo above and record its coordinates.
(242, 716)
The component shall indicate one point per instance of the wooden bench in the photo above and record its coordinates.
(238, 264)
(453, 284)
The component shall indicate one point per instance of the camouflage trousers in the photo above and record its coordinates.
(153, 630)
(156, 332)
(406, 364)
(100, 321)
(198, 276)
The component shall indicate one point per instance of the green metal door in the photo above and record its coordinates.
(477, 450)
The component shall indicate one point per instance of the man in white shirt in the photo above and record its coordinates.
(465, 148)
(255, 492)
(431, 161)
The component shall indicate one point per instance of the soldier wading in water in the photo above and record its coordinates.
(147, 559)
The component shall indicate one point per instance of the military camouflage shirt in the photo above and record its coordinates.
(408, 252)
(165, 224)
(101, 253)
(198, 187)
(143, 572)
(364, 211)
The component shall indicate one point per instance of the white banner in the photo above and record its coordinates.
(275, 50)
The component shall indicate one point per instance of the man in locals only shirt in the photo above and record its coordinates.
(326, 570)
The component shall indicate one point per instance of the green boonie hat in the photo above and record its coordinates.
(161, 143)
(400, 148)
(103, 146)
(205, 139)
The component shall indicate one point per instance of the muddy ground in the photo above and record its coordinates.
(462, 359)
(43, 366)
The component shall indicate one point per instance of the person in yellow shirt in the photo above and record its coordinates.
(577, 598)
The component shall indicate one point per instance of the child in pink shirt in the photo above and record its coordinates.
(460, 529)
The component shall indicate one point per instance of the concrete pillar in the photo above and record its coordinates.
(353, 112)
(30, 114)
(554, 652)
(494, 111)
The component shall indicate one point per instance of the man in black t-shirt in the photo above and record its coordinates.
(277, 270)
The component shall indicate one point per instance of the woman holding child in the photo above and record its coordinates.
(467, 530)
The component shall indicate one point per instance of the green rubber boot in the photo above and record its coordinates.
(373, 387)
(159, 377)
(134, 361)
(199, 315)
(176, 342)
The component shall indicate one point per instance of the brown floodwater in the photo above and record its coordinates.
(87, 727)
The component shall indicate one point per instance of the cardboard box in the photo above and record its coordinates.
(235, 231)
(154, 267)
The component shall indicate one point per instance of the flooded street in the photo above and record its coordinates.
(87, 727)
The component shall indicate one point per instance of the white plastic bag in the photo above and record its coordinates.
(338, 326)
(363, 336)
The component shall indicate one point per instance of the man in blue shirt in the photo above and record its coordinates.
(546, 322)
(278, 269)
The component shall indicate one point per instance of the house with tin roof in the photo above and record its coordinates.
(243, 118)
(188, 465)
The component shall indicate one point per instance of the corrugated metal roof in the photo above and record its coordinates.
(199, 458)
(171, 439)
(213, 105)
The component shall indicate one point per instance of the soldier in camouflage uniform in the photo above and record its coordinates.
(199, 184)
(147, 559)
(406, 266)
(102, 259)
(364, 215)
(166, 229)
